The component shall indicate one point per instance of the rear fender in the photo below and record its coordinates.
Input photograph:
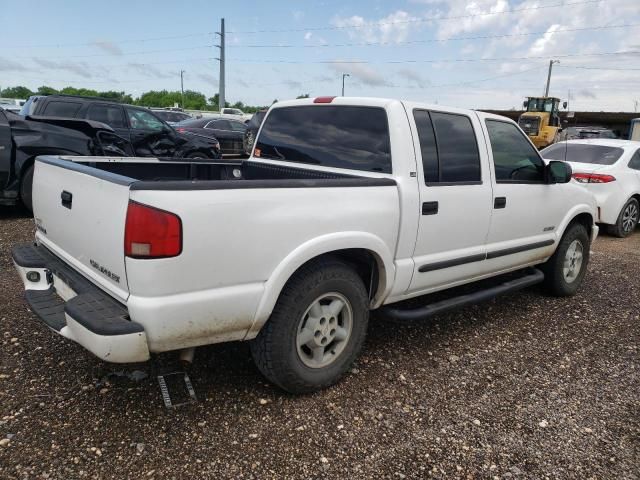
(315, 248)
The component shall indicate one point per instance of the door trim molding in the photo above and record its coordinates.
(454, 262)
(519, 248)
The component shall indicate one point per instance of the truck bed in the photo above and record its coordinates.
(206, 174)
(245, 227)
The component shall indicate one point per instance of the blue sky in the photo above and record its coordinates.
(480, 53)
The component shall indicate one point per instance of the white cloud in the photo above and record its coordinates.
(545, 42)
(308, 35)
(393, 28)
(82, 69)
(11, 66)
(108, 47)
(413, 77)
(360, 71)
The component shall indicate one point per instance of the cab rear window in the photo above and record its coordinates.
(349, 137)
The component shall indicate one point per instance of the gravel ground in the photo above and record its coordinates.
(525, 386)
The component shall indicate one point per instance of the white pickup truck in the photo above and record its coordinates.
(346, 205)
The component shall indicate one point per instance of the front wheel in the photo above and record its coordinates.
(316, 330)
(565, 270)
(627, 220)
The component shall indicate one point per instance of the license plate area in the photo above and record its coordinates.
(63, 290)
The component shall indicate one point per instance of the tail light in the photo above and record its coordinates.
(180, 129)
(151, 233)
(593, 178)
(323, 99)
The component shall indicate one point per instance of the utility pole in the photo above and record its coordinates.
(551, 62)
(221, 100)
(344, 75)
(182, 87)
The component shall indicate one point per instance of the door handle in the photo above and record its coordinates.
(500, 202)
(66, 198)
(430, 208)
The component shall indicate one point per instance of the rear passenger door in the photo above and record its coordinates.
(527, 211)
(455, 199)
(112, 115)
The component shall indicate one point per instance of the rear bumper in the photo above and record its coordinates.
(76, 309)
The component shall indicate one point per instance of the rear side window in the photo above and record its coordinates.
(635, 161)
(108, 114)
(330, 135)
(58, 108)
(449, 147)
(582, 153)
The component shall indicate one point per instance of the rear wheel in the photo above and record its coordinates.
(316, 330)
(26, 189)
(627, 220)
(565, 270)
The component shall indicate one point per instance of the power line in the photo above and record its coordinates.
(418, 20)
(598, 68)
(131, 53)
(435, 40)
(442, 60)
(117, 42)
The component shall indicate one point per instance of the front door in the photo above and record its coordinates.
(112, 115)
(527, 212)
(5, 149)
(455, 199)
(150, 136)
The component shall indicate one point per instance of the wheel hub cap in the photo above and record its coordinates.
(573, 261)
(630, 217)
(324, 330)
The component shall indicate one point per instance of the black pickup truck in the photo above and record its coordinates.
(22, 139)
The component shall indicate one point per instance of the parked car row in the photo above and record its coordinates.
(84, 126)
(229, 133)
(610, 169)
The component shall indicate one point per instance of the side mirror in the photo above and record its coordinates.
(524, 104)
(564, 105)
(558, 172)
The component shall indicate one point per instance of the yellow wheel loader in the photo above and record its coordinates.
(541, 121)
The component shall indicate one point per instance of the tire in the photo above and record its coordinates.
(561, 281)
(198, 155)
(279, 350)
(26, 189)
(627, 220)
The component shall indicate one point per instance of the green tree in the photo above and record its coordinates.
(304, 95)
(17, 92)
(44, 90)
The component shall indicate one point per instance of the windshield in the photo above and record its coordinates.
(332, 136)
(540, 105)
(580, 153)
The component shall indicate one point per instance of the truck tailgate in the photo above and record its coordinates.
(80, 215)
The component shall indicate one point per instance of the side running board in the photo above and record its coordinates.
(532, 277)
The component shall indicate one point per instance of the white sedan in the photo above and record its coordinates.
(610, 169)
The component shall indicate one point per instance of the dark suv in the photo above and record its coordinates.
(149, 135)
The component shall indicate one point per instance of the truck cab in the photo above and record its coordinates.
(541, 120)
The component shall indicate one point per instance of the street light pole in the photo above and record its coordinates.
(344, 75)
(551, 62)
(182, 87)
